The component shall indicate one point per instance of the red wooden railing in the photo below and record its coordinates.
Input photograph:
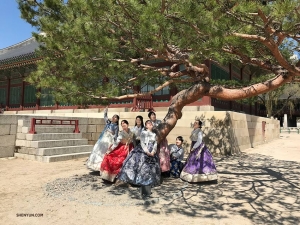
(35, 122)
(143, 102)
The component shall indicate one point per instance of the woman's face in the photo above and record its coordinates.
(114, 119)
(178, 142)
(124, 126)
(153, 117)
(138, 121)
(149, 126)
(196, 124)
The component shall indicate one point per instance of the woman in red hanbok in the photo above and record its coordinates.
(116, 154)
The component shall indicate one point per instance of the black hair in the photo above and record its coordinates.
(142, 122)
(146, 123)
(200, 123)
(150, 113)
(118, 118)
(125, 121)
(180, 138)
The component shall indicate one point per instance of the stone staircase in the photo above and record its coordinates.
(51, 143)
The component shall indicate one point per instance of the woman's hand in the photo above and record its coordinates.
(150, 154)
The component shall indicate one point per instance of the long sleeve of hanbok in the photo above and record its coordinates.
(116, 143)
(154, 147)
(116, 132)
(176, 152)
(105, 115)
(199, 140)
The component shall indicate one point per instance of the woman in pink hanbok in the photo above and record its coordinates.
(163, 149)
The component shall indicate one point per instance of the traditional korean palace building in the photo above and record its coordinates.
(17, 61)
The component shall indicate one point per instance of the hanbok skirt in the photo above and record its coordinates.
(140, 169)
(199, 166)
(164, 156)
(176, 167)
(112, 162)
(99, 150)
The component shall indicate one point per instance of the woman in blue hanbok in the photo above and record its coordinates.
(176, 157)
(105, 140)
(137, 130)
(141, 167)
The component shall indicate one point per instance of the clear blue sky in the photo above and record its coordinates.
(13, 29)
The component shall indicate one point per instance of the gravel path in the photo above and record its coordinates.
(260, 186)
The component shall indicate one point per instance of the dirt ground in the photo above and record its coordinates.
(260, 186)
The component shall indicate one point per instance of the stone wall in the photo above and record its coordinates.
(8, 130)
(225, 132)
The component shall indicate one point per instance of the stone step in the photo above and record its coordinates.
(64, 150)
(53, 136)
(55, 150)
(55, 158)
(47, 129)
(57, 143)
(54, 129)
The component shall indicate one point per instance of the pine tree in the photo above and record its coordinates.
(90, 42)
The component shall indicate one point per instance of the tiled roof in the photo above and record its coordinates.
(19, 52)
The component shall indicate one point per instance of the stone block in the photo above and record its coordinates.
(63, 111)
(21, 143)
(10, 113)
(7, 151)
(87, 136)
(238, 116)
(190, 108)
(19, 129)
(25, 130)
(83, 128)
(26, 112)
(13, 129)
(43, 112)
(91, 142)
(238, 124)
(21, 136)
(96, 121)
(94, 136)
(206, 108)
(7, 140)
(95, 115)
(100, 128)
(91, 128)
(5, 129)
(95, 110)
(8, 119)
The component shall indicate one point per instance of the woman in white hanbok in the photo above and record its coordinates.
(105, 140)
(137, 130)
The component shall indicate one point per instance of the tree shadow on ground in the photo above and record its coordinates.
(256, 187)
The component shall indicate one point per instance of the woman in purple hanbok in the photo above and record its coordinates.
(199, 165)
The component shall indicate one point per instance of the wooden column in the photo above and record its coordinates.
(8, 94)
(38, 100)
(22, 95)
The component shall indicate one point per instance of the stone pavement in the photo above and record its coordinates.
(259, 186)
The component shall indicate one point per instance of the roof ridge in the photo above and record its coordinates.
(20, 44)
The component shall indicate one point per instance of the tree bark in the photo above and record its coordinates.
(199, 90)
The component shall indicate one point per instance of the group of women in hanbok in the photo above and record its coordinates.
(134, 156)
